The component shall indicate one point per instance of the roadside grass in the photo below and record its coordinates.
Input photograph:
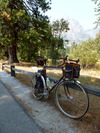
(90, 81)
(90, 72)
(93, 71)
(24, 79)
(89, 76)
(24, 64)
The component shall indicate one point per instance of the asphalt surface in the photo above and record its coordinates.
(13, 118)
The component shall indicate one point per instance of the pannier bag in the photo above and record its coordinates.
(72, 70)
(39, 83)
(43, 73)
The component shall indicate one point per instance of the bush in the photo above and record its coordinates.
(87, 53)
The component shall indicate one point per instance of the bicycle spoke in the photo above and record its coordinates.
(72, 102)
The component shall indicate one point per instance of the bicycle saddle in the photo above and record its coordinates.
(43, 60)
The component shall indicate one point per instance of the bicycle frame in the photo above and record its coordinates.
(60, 67)
(52, 68)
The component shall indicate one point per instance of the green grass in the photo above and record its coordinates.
(91, 81)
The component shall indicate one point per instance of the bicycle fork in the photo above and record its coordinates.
(67, 93)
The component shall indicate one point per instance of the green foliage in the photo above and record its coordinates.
(24, 27)
(3, 53)
(38, 8)
(97, 43)
(86, 52)
(28, 49)
(97, 10)
(56, 48)
(72, 50)
(59, 26)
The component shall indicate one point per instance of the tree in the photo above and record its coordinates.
(97, 10)
(28, 50)
(59, 26)
(97, 43)
(57, 42)
(38, 8)
(73, 49)
(16, 20)
(13, 21)
(87, 53)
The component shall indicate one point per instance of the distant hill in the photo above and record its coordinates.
(93, 32)
(77, 32)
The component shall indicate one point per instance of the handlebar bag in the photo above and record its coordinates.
(72, 70)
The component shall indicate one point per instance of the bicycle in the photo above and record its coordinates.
(71, 98)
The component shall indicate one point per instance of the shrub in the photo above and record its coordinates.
(87, 53)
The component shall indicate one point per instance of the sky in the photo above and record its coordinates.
(80, 10)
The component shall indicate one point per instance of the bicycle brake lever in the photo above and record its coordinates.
(67, 59)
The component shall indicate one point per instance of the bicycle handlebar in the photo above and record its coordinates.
(67, 60)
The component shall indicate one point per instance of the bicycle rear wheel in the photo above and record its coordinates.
(72, 99)
(37, 86)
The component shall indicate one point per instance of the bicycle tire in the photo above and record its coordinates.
(37, 86)
(71, 99)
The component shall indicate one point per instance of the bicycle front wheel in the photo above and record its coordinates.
(37, 86)
(72, 99)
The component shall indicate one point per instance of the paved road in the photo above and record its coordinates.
(13, 119)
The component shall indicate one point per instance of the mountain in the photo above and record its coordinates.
(93, 32)
(77, 33)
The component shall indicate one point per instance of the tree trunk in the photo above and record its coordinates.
(40, 53)
(12, 54)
